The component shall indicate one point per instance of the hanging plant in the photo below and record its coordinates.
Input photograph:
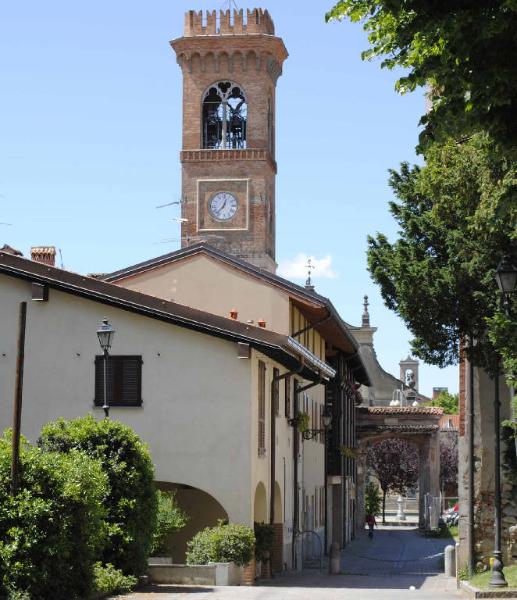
(302, 421)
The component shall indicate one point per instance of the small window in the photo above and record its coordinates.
(124, 380)
(225, 115)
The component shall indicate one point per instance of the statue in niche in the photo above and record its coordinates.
(409, 378)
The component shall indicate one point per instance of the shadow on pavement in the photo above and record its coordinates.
(173, 589)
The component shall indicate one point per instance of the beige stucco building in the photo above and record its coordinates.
(207, 399)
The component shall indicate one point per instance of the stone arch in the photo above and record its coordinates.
(238, 61)
(202, 508)
(251, 61)
(260, 504)
(210, 62)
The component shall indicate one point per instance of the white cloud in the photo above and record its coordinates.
(296, 268)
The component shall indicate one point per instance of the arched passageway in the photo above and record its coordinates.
(260, 504)
(202, 509)
(420, 427)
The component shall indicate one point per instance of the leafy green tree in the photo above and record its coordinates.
(449, 403)
(372, 499)
(395, 464)
(52, 529)
(131, 502)
(171, 518)
(457, 217)
(460, 50)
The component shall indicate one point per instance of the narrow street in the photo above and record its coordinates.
(387, 568)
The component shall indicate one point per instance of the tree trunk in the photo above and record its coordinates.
(384, 506)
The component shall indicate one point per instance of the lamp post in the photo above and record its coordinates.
(506, 277)
(105, 333)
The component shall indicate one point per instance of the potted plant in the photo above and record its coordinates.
(228, 547)
(170, 518)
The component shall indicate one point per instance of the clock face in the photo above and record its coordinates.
(223, 206)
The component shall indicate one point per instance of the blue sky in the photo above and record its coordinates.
(90, 98)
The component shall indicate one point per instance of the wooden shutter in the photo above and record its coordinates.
(124, 380)
(261, 408)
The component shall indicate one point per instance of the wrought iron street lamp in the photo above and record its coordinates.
(105, 333)
(506, 277)
(326, 419)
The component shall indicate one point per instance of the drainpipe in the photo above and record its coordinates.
(470, 532)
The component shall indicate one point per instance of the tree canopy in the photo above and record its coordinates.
(449, 403)
(457, 217)
(461, 51)
(395, 464)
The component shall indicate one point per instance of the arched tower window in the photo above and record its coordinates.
(225, 114)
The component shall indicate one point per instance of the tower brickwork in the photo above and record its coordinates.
(230, 62)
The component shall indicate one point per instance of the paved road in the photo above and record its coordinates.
(385, 568)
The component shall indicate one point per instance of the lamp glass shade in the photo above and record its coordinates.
(326, 417)
(506, 275)
(105, 334)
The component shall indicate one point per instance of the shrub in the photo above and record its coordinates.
(52, 528)
(264, 535)
(372, 499)
(171, 518)
(131, 499)
(223, 543)
(109, 581)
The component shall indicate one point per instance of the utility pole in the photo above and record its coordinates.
(18, 394)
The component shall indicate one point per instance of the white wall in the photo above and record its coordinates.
(196, 391)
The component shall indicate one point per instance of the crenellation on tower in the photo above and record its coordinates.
(202, 23)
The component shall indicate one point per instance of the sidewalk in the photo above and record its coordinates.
(398, 564)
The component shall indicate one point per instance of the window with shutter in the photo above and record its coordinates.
(261, 408)
(123, 381)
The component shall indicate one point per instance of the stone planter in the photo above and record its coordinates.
(227, 573)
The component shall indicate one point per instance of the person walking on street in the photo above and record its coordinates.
(371, 522)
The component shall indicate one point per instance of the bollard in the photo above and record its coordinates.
(450, 561)
(335, 559)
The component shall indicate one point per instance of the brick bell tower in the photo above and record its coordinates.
(230, 67)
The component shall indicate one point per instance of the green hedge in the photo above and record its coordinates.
(130, 502)
(52, 529)
(223, 543)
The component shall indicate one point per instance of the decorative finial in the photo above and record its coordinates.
(310, 269)
(366, 314)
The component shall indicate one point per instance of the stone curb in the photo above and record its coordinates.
(476, 593)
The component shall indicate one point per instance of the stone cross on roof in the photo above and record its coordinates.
(310, 269)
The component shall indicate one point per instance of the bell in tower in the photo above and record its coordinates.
(230, 63)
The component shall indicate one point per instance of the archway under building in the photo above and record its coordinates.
(420, 427)
(260, 504)
(202, 509)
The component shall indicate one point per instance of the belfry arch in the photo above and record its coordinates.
(417, 425)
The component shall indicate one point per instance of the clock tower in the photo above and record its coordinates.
(230, 64)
